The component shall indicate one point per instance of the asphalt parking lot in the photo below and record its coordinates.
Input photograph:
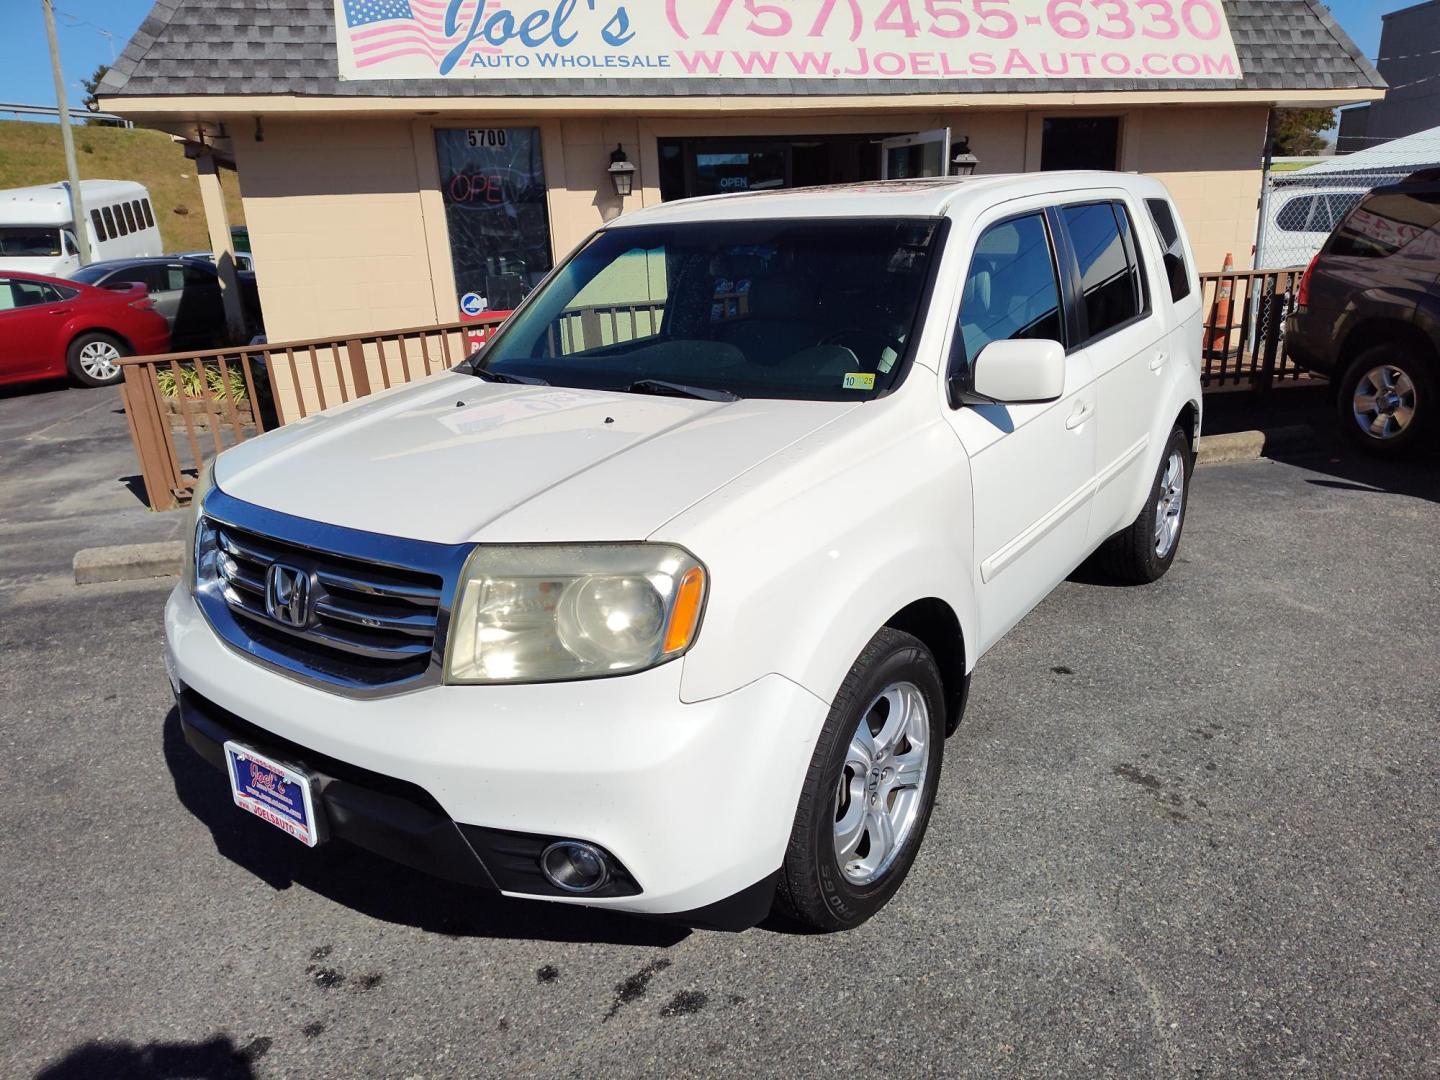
(1188, 830)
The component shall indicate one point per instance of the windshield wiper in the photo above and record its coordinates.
(675, 389)
(500, 376)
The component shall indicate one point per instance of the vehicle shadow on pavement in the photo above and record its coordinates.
(379, 888)
(1351, 470)
(1330, 453)
(218, 1058)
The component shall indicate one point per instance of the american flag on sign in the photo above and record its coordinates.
(381, 30)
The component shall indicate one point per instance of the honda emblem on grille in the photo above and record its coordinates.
(287, 595)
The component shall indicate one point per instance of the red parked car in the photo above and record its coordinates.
(51, 327)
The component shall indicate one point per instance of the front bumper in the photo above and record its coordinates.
(695, 801)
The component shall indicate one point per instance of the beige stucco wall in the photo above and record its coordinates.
(348, 227)
(1209, 158)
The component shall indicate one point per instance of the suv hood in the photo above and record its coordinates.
(453, 459)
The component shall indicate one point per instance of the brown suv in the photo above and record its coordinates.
(1368, 316)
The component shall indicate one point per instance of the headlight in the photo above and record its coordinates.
(539, 613)
(203, 486)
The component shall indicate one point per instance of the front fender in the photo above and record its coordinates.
(813, 551)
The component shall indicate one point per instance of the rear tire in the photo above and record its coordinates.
(93, 358)
(870, 788)
(1387, 401)
(1143, 552)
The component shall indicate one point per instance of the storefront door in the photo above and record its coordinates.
(925, 153)
(720, 166)
(493, 183)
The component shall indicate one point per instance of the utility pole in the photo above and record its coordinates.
(77, 199)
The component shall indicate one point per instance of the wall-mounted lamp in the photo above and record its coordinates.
(622, 171)
(963, 162)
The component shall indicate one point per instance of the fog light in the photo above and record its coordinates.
(574, 866)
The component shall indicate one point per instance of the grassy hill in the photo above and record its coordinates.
(32, 154)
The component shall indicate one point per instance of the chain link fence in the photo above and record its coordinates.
(1300, 211)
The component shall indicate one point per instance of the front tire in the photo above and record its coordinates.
(94, 358)
(1387, 401)
(870, 788)
(1143, 552)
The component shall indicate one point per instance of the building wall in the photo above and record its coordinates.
(1210, 159)
(348, 226)
(1409, 61)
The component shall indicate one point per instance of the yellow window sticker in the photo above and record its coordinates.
(858, 380)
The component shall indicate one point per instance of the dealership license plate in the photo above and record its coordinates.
(272, 792)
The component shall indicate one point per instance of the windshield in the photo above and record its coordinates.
(29, 241)
(816, 309)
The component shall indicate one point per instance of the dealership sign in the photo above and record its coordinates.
(785, 39)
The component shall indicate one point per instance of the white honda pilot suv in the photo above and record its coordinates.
(667, 599)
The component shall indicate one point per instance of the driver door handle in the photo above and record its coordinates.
(1081, 413)
(1157, 361)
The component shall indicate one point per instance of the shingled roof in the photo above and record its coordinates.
(230, 47)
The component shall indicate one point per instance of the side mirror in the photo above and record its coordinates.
(1019, 371)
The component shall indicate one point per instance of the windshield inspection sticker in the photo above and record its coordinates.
(858, 380)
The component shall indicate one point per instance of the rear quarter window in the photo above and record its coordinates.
(1384, 225)
(1177, 270)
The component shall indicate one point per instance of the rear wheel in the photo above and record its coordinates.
(94, 358)
(870, 789)
(1387, 401)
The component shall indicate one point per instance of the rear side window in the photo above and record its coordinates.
(1307, 213)
(1109, 277)
(1011, 289)
(129, 211)
(30, 293)
(1383, 225)
(196, 278)
(149, 217)
(99, 223)
(1176, 269)
(120, 226)
(109, 222)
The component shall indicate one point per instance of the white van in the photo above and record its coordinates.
(1299, 221)
(37, 233)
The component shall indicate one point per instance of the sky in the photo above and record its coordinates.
(80, 25)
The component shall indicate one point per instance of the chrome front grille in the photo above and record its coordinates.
(374, 610)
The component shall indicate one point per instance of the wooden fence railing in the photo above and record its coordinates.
(184, 408)
(1244, 342)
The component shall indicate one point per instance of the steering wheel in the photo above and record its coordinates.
(864, 333)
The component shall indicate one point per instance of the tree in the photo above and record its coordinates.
(92, 88)
(1297, 131)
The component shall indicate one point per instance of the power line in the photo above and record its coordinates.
(75, 20)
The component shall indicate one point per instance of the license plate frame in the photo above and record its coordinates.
(279, 794)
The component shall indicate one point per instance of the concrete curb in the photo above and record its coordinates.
(1253, 445)
(129, 562)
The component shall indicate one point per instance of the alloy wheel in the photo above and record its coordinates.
(1384, 402)
(100, 360)
(878, 797)
(1170, 506)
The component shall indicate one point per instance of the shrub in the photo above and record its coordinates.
(230, 385)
